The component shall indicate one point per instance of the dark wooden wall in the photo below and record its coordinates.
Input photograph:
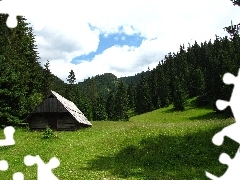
(67, 122)
(38, 121)
(64, 121)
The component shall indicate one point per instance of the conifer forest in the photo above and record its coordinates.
(195, 71)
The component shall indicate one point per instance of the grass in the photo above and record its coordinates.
(162, 144)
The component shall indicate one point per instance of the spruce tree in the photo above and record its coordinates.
(143, 97)
(47, 79)
(92, 92)
(152, 84)
(236, 2)
(70, 88)
(110, 106)
(71, 77)
(9, 97)
(99, 111)
(179, 97)
(131, 92)
(201, 85)
(121, 102)
(83, 103)
(162, 87)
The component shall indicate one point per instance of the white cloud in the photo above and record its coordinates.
(121, 61)
(66, 42)
(129, 30)
(163, 24)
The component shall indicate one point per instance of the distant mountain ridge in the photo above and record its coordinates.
(107, 82)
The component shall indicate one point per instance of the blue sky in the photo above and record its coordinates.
(116, 39)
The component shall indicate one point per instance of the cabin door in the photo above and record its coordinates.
(52, 121)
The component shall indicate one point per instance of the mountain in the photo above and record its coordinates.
(100, 84)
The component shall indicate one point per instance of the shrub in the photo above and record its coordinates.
(48, 133)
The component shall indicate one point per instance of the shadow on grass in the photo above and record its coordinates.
(169, 110)
(167, 157)
(210, 116)
(172, 110)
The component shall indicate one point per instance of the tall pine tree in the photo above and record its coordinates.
(110, 106)
(131, 92)
(70, 90)
(47, 79)
(143, 97)
(121, 102)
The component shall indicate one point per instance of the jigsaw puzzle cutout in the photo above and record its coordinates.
(18, 176)
(8, 133)
(24, 8)
(12, 8)
(44, 170)
(3, 165)
(233, 172)
(231, 131)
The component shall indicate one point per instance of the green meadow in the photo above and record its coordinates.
(162, 144)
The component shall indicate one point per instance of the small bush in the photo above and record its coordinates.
(48, 133)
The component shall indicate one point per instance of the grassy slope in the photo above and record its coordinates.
(162, 144)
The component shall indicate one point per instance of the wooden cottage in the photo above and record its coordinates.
(58, 113)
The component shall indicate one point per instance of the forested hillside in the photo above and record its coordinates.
(194, 71)
(23, 82)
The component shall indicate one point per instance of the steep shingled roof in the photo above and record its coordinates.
(72, 108)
